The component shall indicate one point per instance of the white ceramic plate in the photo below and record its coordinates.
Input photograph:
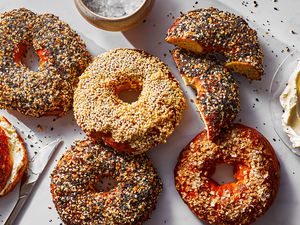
(278, 84)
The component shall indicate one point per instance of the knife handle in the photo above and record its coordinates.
(16, 210)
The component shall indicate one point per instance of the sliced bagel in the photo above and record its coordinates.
(18, 155)
(6, 162)
(212, 30)
(218, 99)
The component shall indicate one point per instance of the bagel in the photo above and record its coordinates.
(135, 127)
(73, 186)
(63, 57)
(14, 152)
(213, 30)
(256, 170)
(6, 162)
(217, 98)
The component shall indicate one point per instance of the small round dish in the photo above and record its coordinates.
(115, 23)
(278, 84)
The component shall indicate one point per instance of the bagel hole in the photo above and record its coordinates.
(106, 184)
(129, 93)
(223, 174)
(28, 57)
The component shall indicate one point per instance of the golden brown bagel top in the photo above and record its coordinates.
(143, 123)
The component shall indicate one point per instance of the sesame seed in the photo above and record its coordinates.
(293, 32)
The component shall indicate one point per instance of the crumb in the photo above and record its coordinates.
(40, 128)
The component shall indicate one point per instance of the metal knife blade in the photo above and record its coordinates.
(35, 168)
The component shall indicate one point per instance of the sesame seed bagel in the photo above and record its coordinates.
(73, 186)
(213, 30)
(134, 127)
(13, 155)
(256, 170)
(218, 99)
(62, 58)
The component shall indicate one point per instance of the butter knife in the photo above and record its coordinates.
(36, 167)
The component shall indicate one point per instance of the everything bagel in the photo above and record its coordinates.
(78, 202)
(63, 57)
(218, 99)
(256, 170)
(212, 30)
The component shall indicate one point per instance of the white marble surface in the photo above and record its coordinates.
(254, 97)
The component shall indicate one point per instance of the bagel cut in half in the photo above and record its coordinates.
(6, 162)
(212, 30)
(15, 155)
(218, 99)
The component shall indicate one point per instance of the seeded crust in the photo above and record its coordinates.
(256, 169)
(81, 167)
(218, 99)
(135, 127)
(6, 162)
(212, 30)
(20, 168)
(63, 57)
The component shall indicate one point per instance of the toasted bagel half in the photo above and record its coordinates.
(6, 162)
(17, 156)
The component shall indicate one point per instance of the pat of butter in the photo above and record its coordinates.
(289, 100)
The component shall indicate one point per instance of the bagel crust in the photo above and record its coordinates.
(218, 99)
(63, 57)
(17, 156)
(73, 186)
(134, 127)
(213, 30)
(256, 170)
